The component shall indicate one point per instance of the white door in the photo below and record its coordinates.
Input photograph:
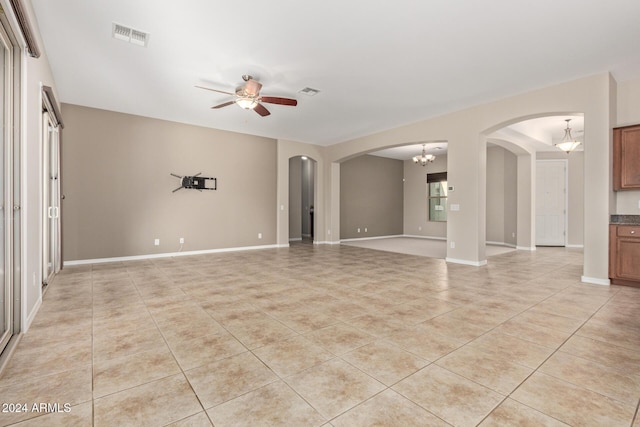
(551, 202)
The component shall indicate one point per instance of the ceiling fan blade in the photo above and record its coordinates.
(252, 88)
(278, 100)
(215, 90)
(224, 104)
(259, 108)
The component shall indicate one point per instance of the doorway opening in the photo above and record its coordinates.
(51, 233)
(551, 202)
(550, 188)
(302, 170)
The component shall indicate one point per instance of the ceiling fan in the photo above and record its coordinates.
(248, 97)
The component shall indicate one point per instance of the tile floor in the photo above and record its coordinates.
(330, 336)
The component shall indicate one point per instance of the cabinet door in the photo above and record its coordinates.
(626, 158)
(628, 254)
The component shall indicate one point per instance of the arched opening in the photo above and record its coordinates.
(390, 202)
(547, 183)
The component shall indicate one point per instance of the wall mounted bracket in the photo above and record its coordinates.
(196, 182)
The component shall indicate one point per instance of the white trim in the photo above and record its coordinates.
(508, 245)
(526, 248)
(371, 238)
(595, 281)
(575, 246)
(424, 237)
(32, 315)
(466, 262)
(9, 350)
(391, 236)
(170, 254)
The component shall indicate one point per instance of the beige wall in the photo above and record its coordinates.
(416, 209)
(371, 197)
(628, 106)
(118, 188)
(510, 198)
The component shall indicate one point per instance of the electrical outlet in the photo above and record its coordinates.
(452, 245)
(156, 242)
(259, 235)
(419, 228)
(358, 230)
(365, 229)
(182, 240)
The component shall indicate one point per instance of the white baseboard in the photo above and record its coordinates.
(170, 254)
(526, 248)
(575, 246)
(595, 281)
(29, 318)
(357, 239)
(466, 262)
(424, 237)
(506, 245)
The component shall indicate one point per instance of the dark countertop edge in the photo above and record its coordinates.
(625, 219)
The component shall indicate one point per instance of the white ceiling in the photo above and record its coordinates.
(377, 64)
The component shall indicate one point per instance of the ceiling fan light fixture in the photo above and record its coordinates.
(424, 158)
(568, 143)
(247, 103)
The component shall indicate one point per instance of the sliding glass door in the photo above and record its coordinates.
(6, 206)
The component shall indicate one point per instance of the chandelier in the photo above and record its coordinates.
(568, 143)
(424, 158)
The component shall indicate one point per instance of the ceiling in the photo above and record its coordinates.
(377, 65)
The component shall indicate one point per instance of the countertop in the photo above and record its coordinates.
(625, 219)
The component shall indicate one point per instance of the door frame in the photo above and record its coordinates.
(51, 150)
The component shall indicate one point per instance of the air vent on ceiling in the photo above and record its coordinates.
(309, 91)
(128, 34)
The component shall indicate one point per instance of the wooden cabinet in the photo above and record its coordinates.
(626, 158)
(624, 254)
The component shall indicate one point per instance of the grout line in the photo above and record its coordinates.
(162, 267)
(545, 360)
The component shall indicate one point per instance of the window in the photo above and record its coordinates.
(437, 196)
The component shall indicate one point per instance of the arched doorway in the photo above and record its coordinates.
(531, 139)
